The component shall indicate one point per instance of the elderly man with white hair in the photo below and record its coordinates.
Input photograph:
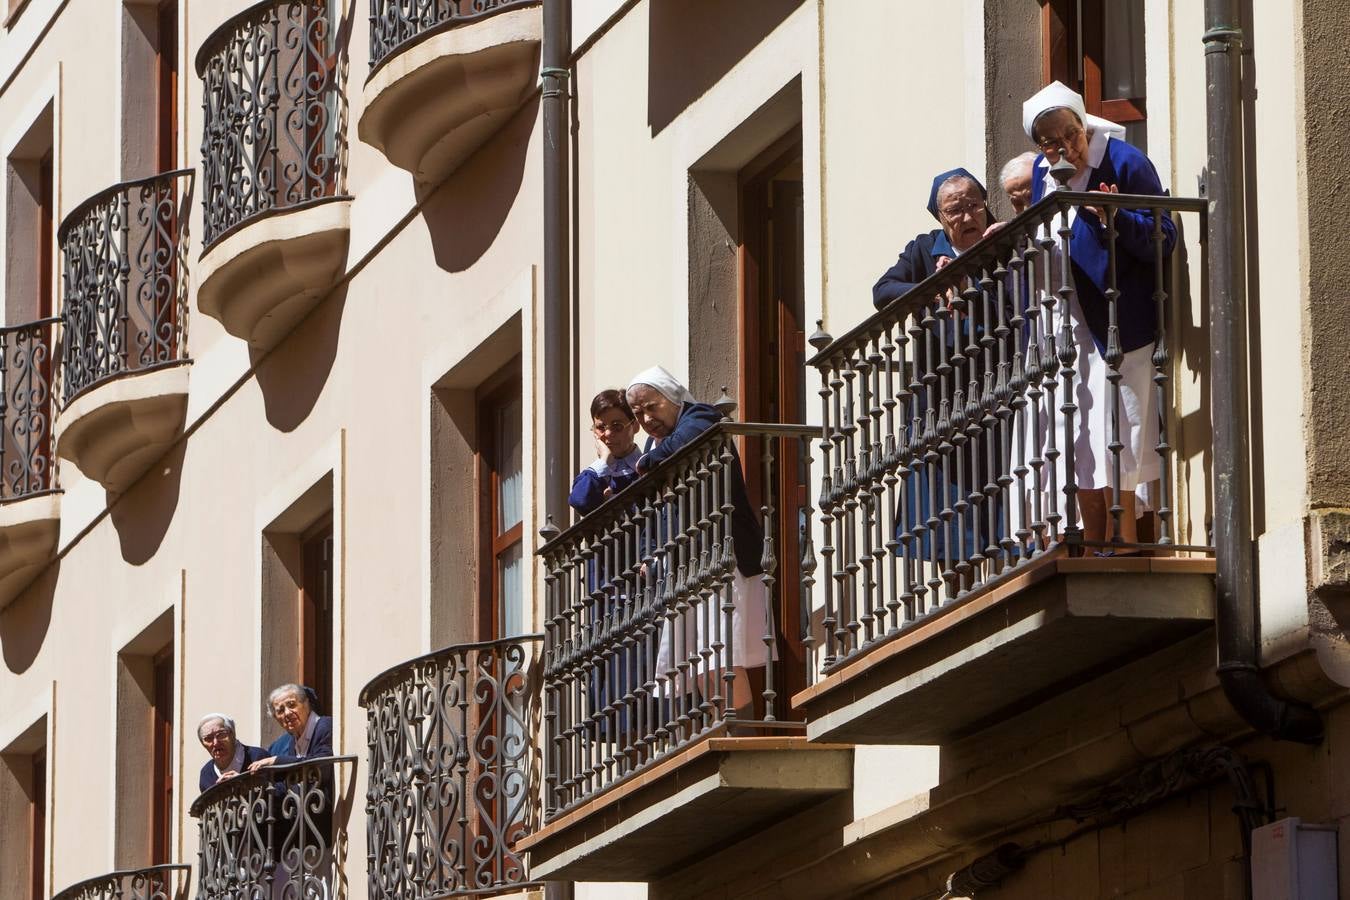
(216, 731)
(1015, 179)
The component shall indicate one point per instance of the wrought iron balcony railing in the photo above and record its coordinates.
(955, 419)
(123, 258)
(277, 832)
(649, 614)
(454, 770)
(169, 882)
(397, 24)
(27, 367)
(274, 132)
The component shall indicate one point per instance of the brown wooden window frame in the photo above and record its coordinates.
(1079, 61)
(316, 597)
(161, 815)
(493, 541)
(37, 824)
(166, 86)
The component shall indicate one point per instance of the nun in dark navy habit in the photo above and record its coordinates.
(958, 201)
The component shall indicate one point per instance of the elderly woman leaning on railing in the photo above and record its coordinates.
(952, 422)
(642, 633)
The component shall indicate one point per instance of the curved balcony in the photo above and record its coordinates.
(277, 832)
(124, 363)
(169, 882)
(444, 76)
(276, 219)
(30, 503)
(453, 772)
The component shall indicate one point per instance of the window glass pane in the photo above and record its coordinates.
(511, 578)
(1123, 40)
(508, 465)
(1136, 133)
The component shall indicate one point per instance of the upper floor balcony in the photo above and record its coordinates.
(124, 304)
(30, 500)
(166, 882)
(454, 770)
(276, 217)
(672, 640)
(999, 495)
(444, 76)
(277, 832)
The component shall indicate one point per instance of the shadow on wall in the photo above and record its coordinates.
(692, 44)
(24, 623)
(142, 515)
(464, 213)
(294, 373)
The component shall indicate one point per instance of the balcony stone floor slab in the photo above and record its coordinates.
(693, 804)
(30, 531)
(986, 658)
(432, 103)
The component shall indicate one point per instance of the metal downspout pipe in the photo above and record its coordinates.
(556, 377)
(1236, 597)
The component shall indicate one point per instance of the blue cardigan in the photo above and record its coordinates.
(321, 744)
(917, 261)
(251, 755)
(1129, 169)
(746, 532)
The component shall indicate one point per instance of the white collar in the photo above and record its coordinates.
(302, 742)
(236, 763)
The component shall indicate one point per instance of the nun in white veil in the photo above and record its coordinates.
(1055, 120)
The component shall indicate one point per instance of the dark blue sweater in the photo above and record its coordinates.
(747, 534)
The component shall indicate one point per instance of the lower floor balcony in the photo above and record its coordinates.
(453, 770)
(167, 882)
(277, 832)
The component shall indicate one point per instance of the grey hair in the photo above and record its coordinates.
(212, 717)
(295, 689)
(1009, 169)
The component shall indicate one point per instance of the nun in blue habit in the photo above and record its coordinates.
(958, 201)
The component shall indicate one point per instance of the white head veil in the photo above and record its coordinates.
(1055, 95)
(664, 383)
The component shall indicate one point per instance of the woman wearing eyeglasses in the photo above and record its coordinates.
(957, 201)
(1055, 120)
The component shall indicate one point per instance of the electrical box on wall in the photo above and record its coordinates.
(1294, 861)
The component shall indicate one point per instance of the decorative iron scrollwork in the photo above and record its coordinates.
(123, 256)
(26, 369)
(277, 832)
(154, 883)
(274, 114)
(453, 771)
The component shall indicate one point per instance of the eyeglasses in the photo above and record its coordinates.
(957, 210)
(1057, 143)
(602, 427)
(216, 736)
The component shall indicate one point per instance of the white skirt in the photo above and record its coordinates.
(1137, 418)
(693, 632)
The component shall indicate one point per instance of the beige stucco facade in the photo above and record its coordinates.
(362, 409)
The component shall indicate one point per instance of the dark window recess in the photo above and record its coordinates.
(316, 610)
(166, 87)
(772, 358)
(161, 739)
(37, 840)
